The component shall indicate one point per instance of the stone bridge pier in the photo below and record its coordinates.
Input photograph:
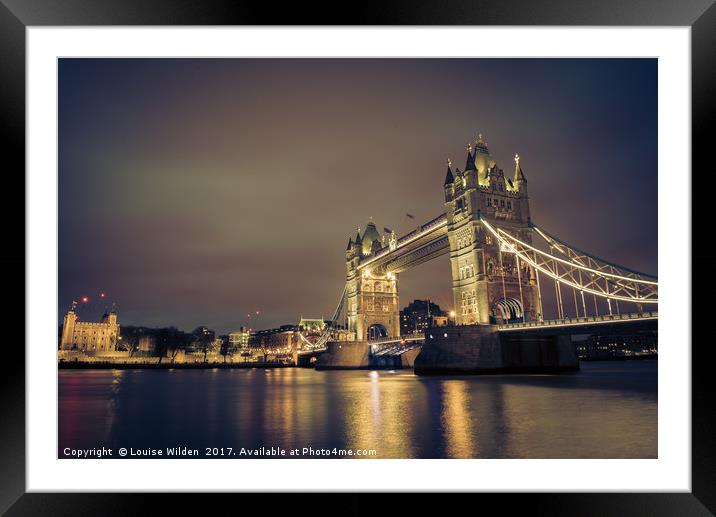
(481, 349)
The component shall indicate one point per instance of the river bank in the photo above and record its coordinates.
(97, 365)
(639, 357)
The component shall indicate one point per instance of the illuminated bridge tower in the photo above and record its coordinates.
(371, 293)
(490, 285)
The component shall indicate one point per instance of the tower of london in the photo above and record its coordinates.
(88, 336)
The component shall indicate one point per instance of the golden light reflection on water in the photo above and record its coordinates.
(457, 420)
(292, 407)
(280, 409)
(379, 415)
(363, 417)
(396, 407)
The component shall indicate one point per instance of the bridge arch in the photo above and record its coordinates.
(507, 310)
(377, 331)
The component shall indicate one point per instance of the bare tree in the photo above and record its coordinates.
(203, 340)
(227, 350)
(129, 339)
(169, 342)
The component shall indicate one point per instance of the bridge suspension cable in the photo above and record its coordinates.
(579, 270)
(326, 333)
(339, 307)
(590, 261)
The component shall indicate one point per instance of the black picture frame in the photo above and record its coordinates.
(17, 15)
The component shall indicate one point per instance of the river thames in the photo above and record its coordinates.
(607, 410)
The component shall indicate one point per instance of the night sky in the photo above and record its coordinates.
(195, 191)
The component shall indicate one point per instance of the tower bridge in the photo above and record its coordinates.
(502, 266)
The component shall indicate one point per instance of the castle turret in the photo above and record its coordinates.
(449, 183)
(470, 161)
(112, 316)
(68, 328)
(519, 179)
(520, 186)
(449, 177)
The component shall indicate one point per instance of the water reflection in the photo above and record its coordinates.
(362, 427)
(110, 411)
(457, 420)
(606, 411)
(378, 412)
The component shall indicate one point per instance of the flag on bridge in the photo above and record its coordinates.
(387, 230)
(410, 215)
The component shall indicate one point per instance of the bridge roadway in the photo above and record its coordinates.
(606, 324)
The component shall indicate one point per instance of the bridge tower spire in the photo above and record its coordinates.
(449, 178)
(470, 160)
(519, 178)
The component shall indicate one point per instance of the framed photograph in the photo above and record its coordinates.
(418, 253)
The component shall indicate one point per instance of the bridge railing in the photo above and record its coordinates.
(381, 341)
(423, 228)
(396, 349)
(580, 321)
(395, 345)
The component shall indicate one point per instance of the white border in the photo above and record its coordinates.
(670, 472)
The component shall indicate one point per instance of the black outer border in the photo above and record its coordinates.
(15, 15)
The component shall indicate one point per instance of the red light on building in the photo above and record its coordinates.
(85, 299)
